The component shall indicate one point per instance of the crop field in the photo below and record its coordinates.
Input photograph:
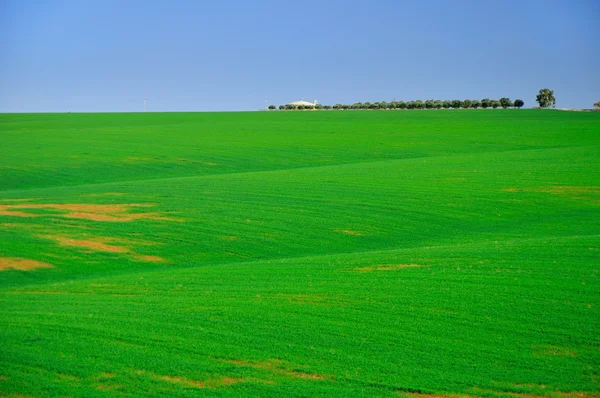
(350, 253)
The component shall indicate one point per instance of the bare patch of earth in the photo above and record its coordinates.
(94, 212)
(21, 264)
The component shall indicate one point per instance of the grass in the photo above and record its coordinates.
(382, 253)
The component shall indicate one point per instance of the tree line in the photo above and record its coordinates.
(429, 104)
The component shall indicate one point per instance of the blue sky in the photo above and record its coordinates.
(107, 56)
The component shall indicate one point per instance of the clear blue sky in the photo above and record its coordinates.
(104, 55)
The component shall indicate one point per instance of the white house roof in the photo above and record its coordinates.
(296, 103)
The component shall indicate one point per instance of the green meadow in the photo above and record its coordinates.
(300, 254)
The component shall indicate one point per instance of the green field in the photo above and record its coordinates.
(351, 253)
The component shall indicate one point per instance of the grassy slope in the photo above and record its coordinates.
(284, 273)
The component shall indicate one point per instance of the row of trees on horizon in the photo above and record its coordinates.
(429, 104)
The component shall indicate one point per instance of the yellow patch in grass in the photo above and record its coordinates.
(213, 383)
(275, 366)
(100, 245)
(21, 264)
(348, 232)
(553, 350)
(95, 244)
(387, 267)
(93, 212)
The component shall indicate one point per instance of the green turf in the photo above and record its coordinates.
(373, 253)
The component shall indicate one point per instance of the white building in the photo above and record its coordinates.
(303, 103)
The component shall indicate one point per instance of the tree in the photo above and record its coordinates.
(456, 104)
(366, 105)
(357, 105)
(546, 98)
(419, 104)
(401, 105)
(383, 105)
(486, 102)
(429, 104)
(519, 103)
(327, 107)
(337, 106)
(281, 107)
(272, 107)
(475, 104)
(437, 104)
(446, 104)
(597, 105)
(345, 106)
(505, 102)
(495, 104)
(466, 103)
(318, 106)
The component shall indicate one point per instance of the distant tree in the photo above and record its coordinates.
(300, 107)
(486, 103)
(519, 103)
(596, 105)
(281, 107)
(505, 102)
(495, 104)
(475, 104)
(345, 106)
(383, 105)
(309, 107)
(410, 105)
(419, 104)
(327, 107)
(337, 106)
(467, 103)
(546, 98)
(272, 107)
(446, 104)
(401, 105)
(374, 105)
(366, 105)
(318, 106)
(429, 104)
(356, 105)
(456, 104)
(290, 107)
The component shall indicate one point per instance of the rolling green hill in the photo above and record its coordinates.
(376, 253)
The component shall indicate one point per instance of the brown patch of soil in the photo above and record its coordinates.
(419, 395)
(94, 212)
(305, 299)
(349, 232)
(275, 366)
(21, 264)
(108, 387)
(386, 267)
(152, 259)
(552, 350)
(567, 189)
(209, 383)
(554, 394)
(99, 244)
(90, 244)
